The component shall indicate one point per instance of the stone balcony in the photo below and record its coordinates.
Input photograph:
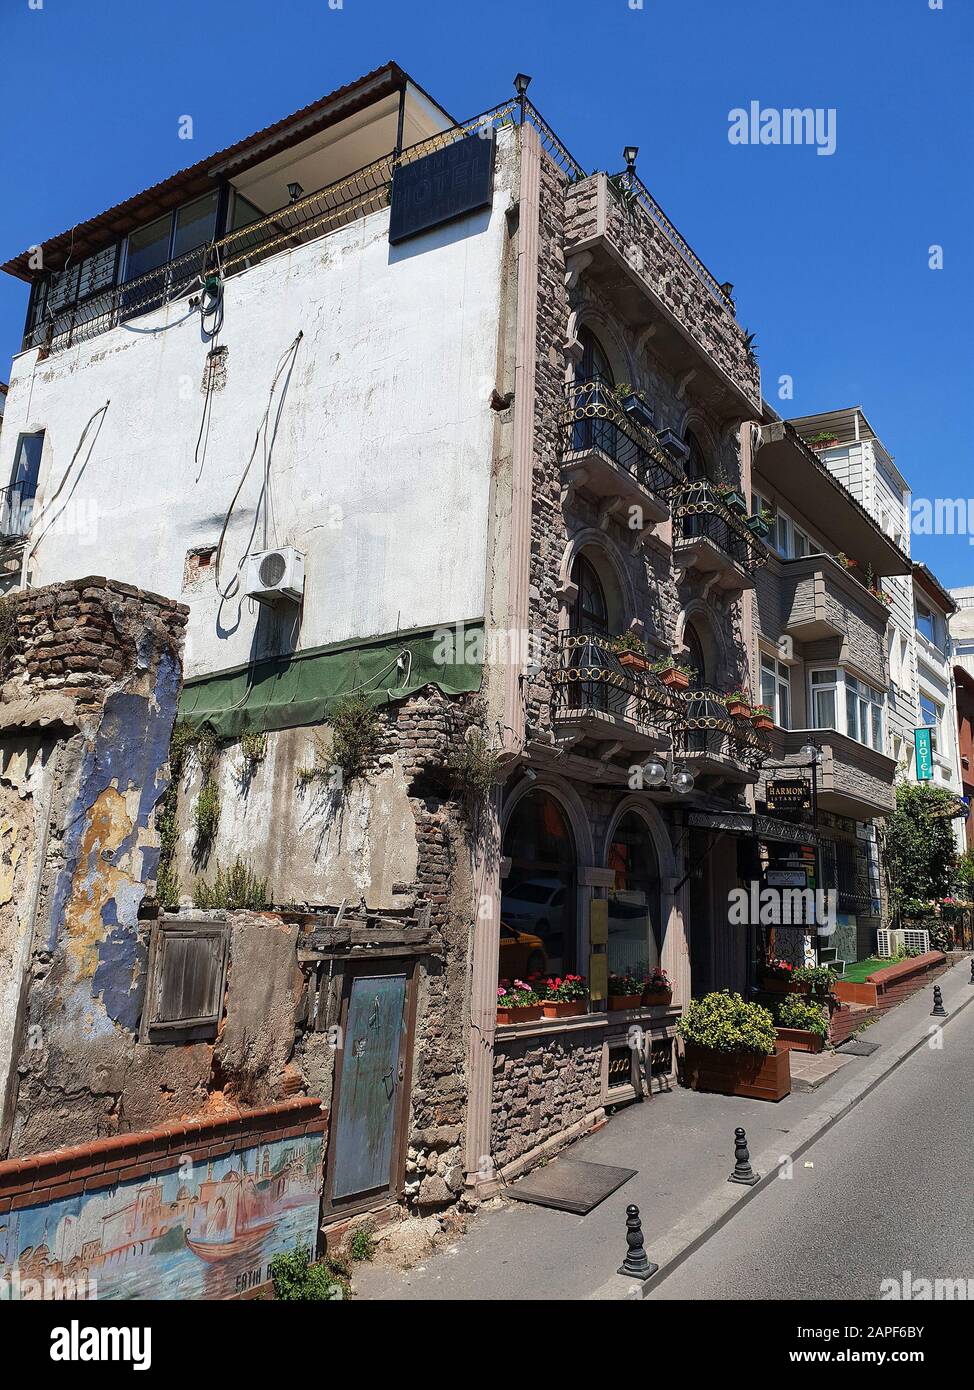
(606, 706)
(622, 241)
(820, 601)
(715, 745)
(853, 780)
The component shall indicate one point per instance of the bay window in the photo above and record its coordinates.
(831, 689)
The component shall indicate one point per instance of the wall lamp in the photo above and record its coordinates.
(294, 191)
(656, 774)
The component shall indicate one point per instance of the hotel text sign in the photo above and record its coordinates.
(792, 794)
(441, 186)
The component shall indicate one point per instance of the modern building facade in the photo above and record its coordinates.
(471, 438)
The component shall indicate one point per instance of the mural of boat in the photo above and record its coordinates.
(223, 1248)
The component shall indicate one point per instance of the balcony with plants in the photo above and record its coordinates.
(609, 693)
(713, 534)
(610, 451)
(722, 736)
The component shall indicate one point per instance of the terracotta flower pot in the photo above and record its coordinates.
(633, 660)
(762, 721)
(522, 1013)
(677, 680)
(657, 996)
(738, 710)
(563, 1008)
(624, 1001)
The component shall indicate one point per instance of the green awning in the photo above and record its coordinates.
(289, 691)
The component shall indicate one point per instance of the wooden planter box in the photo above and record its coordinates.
(738, 710)
(526, 1013)
(738, 1073)
(676, 680)
(657, 996)
(624, 1001)
(762, 721)
(799, 1040)
(563, 1008)
(774, 984)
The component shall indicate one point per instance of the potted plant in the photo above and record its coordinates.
(671, 673)
(761, 522)
(816, 980)
(778, 976)
(625, 992)
(803, 1025)
(631, 651)
(824, 440)
(517, 1002)
(564, 996)
(731, 497)
(657, 989)
(761, 717)
(634, 405)
(730, 1046)
(843, 559)
(738, 703)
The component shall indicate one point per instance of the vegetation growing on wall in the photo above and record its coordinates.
(205, 821)
(8, 632)
(356, 740)
(232, 888)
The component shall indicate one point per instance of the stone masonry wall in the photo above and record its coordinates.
(542, 1086)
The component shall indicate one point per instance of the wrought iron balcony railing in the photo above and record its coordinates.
(16, 510)
(594, 419)
(706, 729)
(591, 679)
(348, 199)
(700, 513)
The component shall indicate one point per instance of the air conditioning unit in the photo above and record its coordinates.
(888, 943)
(916, 939)
(276, 574)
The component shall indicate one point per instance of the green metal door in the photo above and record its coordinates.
(371, 1081)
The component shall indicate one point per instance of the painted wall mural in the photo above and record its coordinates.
(205, 1229)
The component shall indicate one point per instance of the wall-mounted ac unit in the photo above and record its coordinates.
(888, 943)
(276, 574)
(916, 939)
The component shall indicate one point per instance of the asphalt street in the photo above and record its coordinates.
(886, 1190)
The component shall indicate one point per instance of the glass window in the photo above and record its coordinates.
(824, 684)
(27, 464)
(244, 212)
(195, 225)
(802, 544)
(537, 933)
(926, 624)
(776, 690)
(931, 714)
(591, 612)
(864, 713)
(148, 248)
(634, 903)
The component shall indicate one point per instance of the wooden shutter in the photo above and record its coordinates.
(186, 978)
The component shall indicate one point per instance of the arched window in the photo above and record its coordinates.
(594, 361)
(695, 656)
(538, 895)
(697, 466)
(635, 925)
(590, 612)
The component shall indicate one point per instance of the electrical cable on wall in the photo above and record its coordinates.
(234, 583)
(64, 478)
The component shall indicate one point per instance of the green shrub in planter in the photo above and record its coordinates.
(725, 1022)
(819, 978)
(796, 1012)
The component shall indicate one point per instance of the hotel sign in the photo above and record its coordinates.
(923, 742)
(789, 794)
(449, 183)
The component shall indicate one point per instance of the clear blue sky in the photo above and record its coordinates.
(828, 254)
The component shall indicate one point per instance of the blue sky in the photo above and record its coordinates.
(829, 254)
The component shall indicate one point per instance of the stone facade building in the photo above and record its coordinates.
(458, 626)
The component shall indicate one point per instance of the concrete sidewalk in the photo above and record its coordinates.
(682, 1145)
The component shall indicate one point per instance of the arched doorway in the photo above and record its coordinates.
(695, 656)
(594, 361)
(635, 915)
(538, 934)
(593, 396)
(590, 611)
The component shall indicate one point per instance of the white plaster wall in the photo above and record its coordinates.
(380, 469)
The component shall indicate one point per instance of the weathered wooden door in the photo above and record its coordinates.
(371, 1087)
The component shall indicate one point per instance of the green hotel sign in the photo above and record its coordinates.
(923, 742)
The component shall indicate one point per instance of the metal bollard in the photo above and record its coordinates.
(637, 1264)
(743, 1172)
(938, 1010)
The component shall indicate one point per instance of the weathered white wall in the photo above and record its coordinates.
(380, 469)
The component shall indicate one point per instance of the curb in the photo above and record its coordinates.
(724, 1202)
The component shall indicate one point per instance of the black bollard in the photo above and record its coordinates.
(938, 1010)
(637, 1264)
(743, 1172)
(972, 970)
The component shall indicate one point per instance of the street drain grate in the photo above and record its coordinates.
(855, 1048)
(570, 1185)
